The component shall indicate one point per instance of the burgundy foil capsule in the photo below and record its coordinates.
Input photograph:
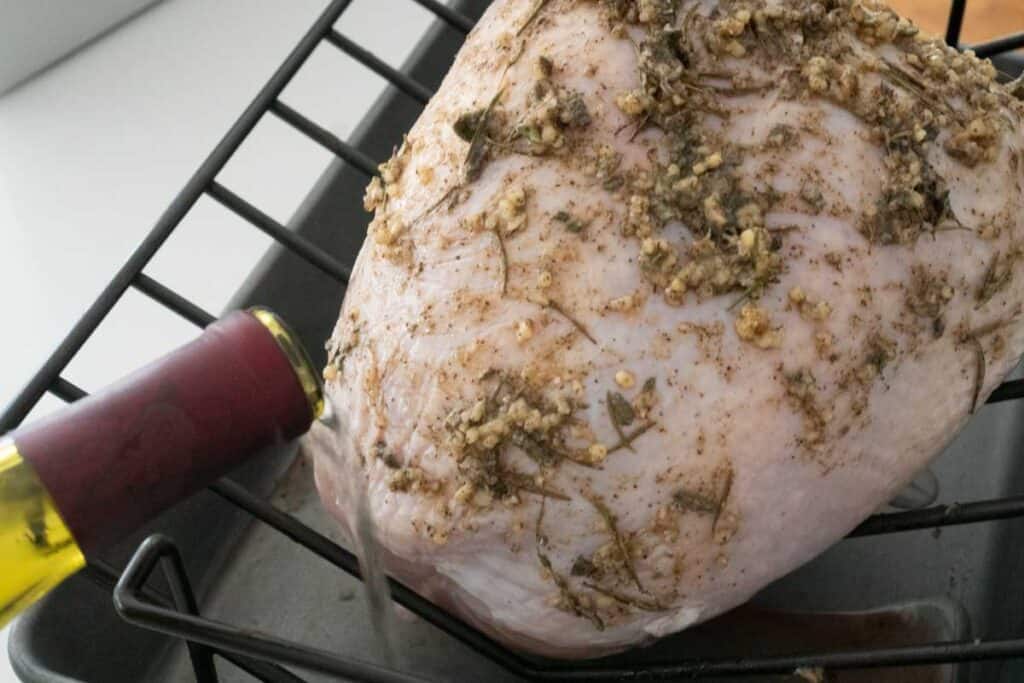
(116, 459)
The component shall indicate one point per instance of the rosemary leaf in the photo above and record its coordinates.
(563, 586)
(537, 7)
(639, 603)
(723, 498)
(478, 146)
(524, 482)
(575, 323)
(621, 410)
(694, 501)
(504, 261)
(611, 521)
(628, 439)
(538, 452)
(466, 125)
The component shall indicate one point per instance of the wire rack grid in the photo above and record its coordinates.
(264, 656)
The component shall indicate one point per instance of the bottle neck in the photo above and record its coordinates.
(37, 550)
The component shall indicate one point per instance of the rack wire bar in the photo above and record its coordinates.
(941, 515)
(111, 294)
(320, 545)
(456, 20)
(956, 22)
(1007, 391)
(324, 137)
(410, 87)
(105, 577)
(999, 46)
(66, 391)
(166, 296)
(159, 548)
(292, 528)
(264, 646)
(296, 243)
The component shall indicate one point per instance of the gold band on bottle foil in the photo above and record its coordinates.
(308, 377)
(37, 550)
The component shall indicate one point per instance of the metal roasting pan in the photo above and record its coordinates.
(912, 587)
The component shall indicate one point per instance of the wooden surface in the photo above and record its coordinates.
(985, 19)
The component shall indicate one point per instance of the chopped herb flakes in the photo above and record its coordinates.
(513, 414)
(928, 295)
(571, 222)
(568, 599)
(640, 603)
(802, 392)
(584, 567)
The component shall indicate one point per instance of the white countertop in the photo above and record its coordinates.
(93, 150)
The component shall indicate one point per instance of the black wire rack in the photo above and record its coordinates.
(263, 656)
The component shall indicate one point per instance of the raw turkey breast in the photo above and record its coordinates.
(662, 298)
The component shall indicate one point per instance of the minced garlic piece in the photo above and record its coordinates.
(734, 26)
(562, 405)
(374, 195)
(625, 379)
(391, 170)
(623, 304)
(597, 453)
(412, 479)
(735, 49)
(710, 162)
(387, 231)
(476, 413)
(813, 311)
(754, 325)
(482, 498)
(748, 239)
(633, 102)
(976, 142)
(544, 279)
(524, 331)
(816, 71)
(750, 217)
(823, 343)
(512, 209)
(507, 213)
(330, 373)
(464, 493)
(713, 210)
(425, 174)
